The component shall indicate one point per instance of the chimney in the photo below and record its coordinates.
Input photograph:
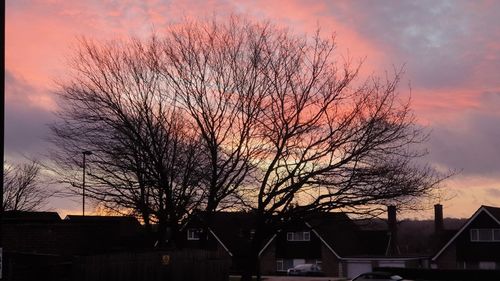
(392, 247)
(438, 219)
(391, 217)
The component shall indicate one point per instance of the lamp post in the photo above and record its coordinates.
(85, 153)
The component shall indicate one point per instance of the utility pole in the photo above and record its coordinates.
(2, 133)
(85, 153)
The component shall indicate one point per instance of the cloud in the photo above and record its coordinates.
(441, 42)
(470, 143)
(451, 50)
(493, 192)
(26, 118)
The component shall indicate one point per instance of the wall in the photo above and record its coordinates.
(478, 251)
(330, 263)
(268, 260)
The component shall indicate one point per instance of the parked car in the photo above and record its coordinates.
(378, 276)
(307, 269)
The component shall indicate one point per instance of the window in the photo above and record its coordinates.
(485, 235)
(298, 236)
(474, 234)
(319, 263)
(307, 236)
(284, 264)
(279, 265)
(193, 234)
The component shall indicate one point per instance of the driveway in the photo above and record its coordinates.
(293, 278)
(301, 278)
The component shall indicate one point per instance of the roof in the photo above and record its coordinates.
(25, 216)
(341, 235)
(51, 235)
(348, 238)
(101, 219)
(493, 212)
(420, 237)
(338, 232)
(344, 237)
(232, 230)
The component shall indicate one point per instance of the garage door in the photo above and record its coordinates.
(356, 268)
(399, 264)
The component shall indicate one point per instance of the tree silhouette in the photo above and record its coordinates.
(313, 137)
(23, 189)
(145, 159)
(258, 118)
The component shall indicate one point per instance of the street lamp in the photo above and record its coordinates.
(85, 153)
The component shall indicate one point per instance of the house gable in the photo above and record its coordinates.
(341, 235)
(484, 217)
(220, 242)
(230, 230)
(297, 241)
(327, 245)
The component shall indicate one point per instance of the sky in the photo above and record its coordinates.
(450, 51)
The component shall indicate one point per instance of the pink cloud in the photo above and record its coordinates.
(306, 17)
(452, 58)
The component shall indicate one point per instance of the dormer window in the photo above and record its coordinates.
(485, 235)
(193, 234)
(298, 236)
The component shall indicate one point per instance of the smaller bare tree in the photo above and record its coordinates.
(146, 158)
(22, 187)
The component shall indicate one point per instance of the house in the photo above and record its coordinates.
(331, 240)
(42, 246)
(408, 244)
(306, 241)
(229, 235)
(324, 239)
(341, 246)
(476, 245)
(46, 233)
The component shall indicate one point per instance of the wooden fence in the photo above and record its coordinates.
(188, 265)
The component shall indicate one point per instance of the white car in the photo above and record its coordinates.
(305, 269)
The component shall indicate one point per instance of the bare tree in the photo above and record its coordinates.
(23, 189)
(215, 71)
(278, 113)
(145, 158)
(238, 114)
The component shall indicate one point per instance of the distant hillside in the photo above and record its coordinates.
(422, 226)
(427, 226)
(416, 237)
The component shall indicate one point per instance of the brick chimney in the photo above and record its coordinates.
(392, 247)
(438, 219)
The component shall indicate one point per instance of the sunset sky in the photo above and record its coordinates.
(449, 49)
